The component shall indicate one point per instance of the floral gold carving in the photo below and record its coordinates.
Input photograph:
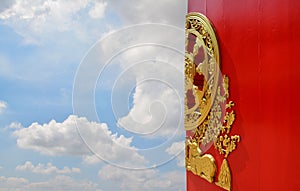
(201, 59)
(209, 115)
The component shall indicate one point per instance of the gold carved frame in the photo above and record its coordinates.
(208, 113)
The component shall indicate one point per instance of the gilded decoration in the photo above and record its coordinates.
(209, 115)
(201, 165)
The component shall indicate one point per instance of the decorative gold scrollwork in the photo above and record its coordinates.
(208, 113)
(201, 69)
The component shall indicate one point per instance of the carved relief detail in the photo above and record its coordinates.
(224, 178)
(209, 115)
(201, 165)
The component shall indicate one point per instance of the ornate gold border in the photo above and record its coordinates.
(212, 115)
(199, 26)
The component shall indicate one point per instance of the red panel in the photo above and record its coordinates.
(259, 43)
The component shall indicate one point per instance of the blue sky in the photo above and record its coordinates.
(90, 91)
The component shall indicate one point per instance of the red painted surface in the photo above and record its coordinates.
(260, 51)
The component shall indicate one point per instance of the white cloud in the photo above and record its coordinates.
(128, 179)
(63, 31)
(153, 112)
(66, 28)
(91, 159)
(97, 12)
(59, 183)
(147, 180)
(6, 4)
(177, 149)
(151, 55)
(15, 125)
(63, 139)
(156, 107)
(163, 11)
(37, 20)
(147, 57)
(46, 169)
(12, 183)
(3, 106)
(177, 178)
(158, 93)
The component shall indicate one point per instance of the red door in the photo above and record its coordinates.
(259, 47)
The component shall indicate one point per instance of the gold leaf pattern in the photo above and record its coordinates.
(210, 115)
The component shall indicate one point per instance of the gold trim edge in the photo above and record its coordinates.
(212, 115)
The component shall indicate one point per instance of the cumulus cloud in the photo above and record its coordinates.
(15, 125)
(63, 30)
(147, 180)
(156, 101)
(59, 183)
(35, 20)
(147, 91)
(97, 12)
(158, 92)
(153, 56)
(3, 106)
(12, 183)
(46, 169)
(6, 4)
(177, 149)
(164, 11)
(63, 139)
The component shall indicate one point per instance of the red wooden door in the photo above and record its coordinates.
(259, 46)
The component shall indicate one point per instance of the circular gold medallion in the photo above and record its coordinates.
(201, 69)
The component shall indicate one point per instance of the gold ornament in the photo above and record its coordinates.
(208, 113)
(202, 65)
(203, 166)
(224, 178)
